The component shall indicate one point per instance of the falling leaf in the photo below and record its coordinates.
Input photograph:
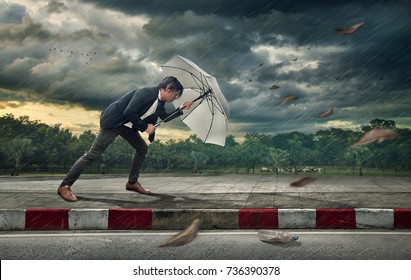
(349, 30)
(185, 236)
(274, 87)
(274, 236)
(326, 113)
(288, 99)
(377, 134)
(303, 182)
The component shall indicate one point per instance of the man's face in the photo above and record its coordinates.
(171, 95)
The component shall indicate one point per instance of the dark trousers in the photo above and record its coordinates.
(104, 138)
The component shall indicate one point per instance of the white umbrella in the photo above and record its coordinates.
(208, 116)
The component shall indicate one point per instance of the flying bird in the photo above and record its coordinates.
(185, 236)
(274, 87)
(377, 134)
(274, 236)
(326, 113)
(303, 182)
(349, 30)
(288, 99)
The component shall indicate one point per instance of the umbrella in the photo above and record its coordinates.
(208, 116)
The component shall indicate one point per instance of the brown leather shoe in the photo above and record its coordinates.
(136, 187)
(66, 193)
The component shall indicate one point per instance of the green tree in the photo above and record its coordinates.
(279, 158)
(18, 151)
(253, 152)
(383, 123)
(198, 159)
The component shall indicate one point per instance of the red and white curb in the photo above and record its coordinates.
(147, 219)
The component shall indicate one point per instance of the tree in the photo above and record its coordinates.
(360, 154)
(253, 153)
(298, 153)
(383, 123)
(198, 159)
(278, 158)
(18, 151)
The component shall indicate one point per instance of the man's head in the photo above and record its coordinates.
(171, 84)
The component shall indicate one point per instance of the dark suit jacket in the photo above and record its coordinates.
(131, 106)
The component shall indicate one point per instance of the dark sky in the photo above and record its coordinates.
(87, 53)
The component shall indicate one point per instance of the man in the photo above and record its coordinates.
(136, 111)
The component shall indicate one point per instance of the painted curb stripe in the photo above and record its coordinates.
(374, 218)
(13, 219)
(47, 219)
(335, 218)
(258, 218)
(402, 218)
(88, 219)
(145, 218)
(296, 218)
(119, 218)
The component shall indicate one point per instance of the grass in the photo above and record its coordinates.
(326, 171)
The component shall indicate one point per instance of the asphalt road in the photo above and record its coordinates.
(209, 245)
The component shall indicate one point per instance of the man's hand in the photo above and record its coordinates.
(186, 105)
(150, 128)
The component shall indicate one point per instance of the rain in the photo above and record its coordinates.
(78, 60)
(279, 65)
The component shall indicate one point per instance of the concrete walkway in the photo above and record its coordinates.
(226, 193)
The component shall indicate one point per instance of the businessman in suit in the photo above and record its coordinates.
(137, 111)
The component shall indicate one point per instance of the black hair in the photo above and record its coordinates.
(172, 83)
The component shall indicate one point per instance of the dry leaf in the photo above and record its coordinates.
(349, 30)
(326, 113)
(377, 134)
(288, 99)
(303, 182)
(185, 236)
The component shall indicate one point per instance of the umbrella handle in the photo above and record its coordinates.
(169, 117)
(204, 94)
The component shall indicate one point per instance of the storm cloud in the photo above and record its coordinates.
(88, 53)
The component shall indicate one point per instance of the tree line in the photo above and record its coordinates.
(31, 146)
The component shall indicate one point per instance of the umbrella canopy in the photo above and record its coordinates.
(208, 116)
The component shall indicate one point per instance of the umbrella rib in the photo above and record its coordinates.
(212, 118)
(196, 79)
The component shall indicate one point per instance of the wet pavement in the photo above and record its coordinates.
(233, 191)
